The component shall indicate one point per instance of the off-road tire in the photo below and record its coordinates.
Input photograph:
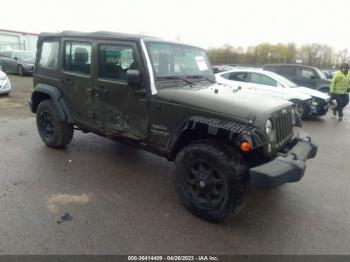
(54, 133)
(228, 165)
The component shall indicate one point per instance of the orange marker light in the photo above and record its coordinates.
(245, 147)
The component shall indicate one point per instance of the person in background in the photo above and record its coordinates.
(339, 90)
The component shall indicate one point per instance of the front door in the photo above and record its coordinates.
(118, 110)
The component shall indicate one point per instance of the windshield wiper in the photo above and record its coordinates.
(201, 76)
(176, 77)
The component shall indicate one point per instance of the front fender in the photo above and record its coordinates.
(226, 131)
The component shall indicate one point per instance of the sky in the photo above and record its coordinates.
(205, 23)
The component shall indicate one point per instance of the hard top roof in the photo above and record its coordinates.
(108, 35)
(96, 35)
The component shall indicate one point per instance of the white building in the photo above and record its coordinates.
(17, 40)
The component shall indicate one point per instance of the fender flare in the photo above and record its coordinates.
(233, 131)
(57, 98)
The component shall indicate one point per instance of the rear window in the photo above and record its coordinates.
(78, 57)
(49, 55)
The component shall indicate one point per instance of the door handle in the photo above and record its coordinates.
(101, 91)
(140, 92)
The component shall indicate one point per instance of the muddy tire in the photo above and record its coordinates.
(210, 181)
(53, 133)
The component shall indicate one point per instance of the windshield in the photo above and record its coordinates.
(320, 73)
(24, 55)
(284, 81)
(178, 60)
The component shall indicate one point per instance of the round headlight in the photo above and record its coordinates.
(269, 130)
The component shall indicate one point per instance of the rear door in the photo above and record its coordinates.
(118, 109)
(76, 80)
(13, 62)
(289, 72)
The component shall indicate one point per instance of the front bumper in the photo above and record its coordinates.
(319, 107)
(28, 70)
(285, 168)
(5, 87)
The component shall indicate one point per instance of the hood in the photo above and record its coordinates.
(312, 92)
(289, 95)
(282, 93)
(225, 100)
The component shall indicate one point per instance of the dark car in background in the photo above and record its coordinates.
(302, 75)
(329, 73)
(17, 61)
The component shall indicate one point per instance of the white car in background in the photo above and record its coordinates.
(5, 84)
(308, 102)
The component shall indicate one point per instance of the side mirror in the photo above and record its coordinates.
(133, 77)
(16, 58)
(312, 77)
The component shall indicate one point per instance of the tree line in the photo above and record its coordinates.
(318, 55)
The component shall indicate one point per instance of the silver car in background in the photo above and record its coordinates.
(17, 61)
(5, 84)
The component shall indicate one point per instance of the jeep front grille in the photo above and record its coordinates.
(283, 125)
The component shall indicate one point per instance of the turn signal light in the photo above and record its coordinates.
(245, 147)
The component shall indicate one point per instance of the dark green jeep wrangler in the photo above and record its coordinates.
(162, 97)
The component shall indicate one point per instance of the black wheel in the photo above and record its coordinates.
(210, 183)
(301, 109)
(53, 132)
(20, 70)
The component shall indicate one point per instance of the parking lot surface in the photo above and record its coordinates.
(101, 197)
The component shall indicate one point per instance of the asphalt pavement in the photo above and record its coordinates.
(101, 197)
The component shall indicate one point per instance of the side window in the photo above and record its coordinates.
(275, 69)
(240, 76)
(226, 76)
(114, 61)
(288, 71)
(307, 73)
(78, 57)
(262, 79)
(49, 55)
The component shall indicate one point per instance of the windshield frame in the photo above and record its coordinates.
(158, 77)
